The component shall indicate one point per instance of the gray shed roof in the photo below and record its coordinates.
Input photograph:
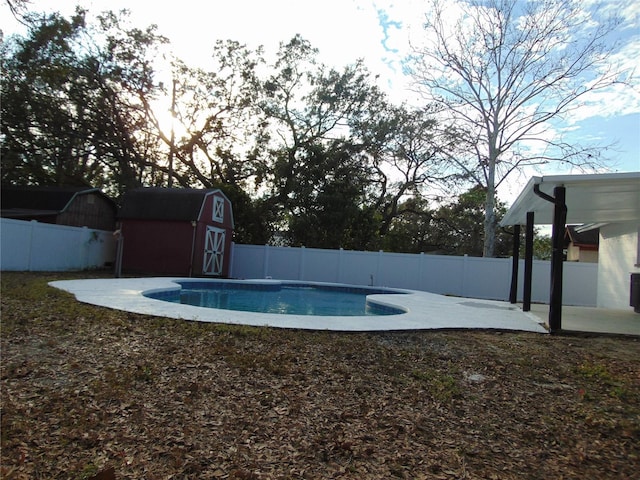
(155, 203)
(593, 198)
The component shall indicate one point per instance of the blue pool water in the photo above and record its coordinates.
(281, 298)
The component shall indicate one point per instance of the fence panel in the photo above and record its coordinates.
(441, 274)
(284, 263)
(15, 241)
(320, 265)
(249, 261)
(580, 284)
(485, 278)
(35, 246)
(540, 281)
(397, 270)
(357, 267)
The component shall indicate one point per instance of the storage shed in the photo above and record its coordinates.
(72, 206)
(176, 231)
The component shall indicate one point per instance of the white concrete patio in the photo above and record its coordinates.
(423, 310)
(593, 320)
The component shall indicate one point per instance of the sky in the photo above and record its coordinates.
(377, 31)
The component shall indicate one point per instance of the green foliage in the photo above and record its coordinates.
(71, 109)
(308, 154)
(597, 372)
(452, 229)
(542, 248)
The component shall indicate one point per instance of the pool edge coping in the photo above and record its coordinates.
(424, 310)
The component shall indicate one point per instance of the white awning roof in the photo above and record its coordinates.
(593, 198)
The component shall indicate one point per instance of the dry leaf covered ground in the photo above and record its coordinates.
(86, 389)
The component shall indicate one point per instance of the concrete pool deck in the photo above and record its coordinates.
(423, 310)
(593, 320)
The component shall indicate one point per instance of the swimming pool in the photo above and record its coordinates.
(423, 310)
(280, 298)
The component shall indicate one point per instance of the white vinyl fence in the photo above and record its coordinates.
(35, 246)
(472, 277)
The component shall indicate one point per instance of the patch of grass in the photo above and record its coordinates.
(442, 385)
(596, 371)
(88, 472)
(616, 386)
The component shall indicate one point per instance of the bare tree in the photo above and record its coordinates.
(18, 7)
(509, 72)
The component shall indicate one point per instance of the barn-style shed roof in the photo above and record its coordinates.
(157, 203)
(42, 200)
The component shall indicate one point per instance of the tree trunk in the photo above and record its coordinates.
(489, 225)
(490, 202)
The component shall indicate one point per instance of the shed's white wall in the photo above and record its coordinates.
(577, 254)
(618, 254)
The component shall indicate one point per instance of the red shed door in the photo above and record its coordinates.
(213, 251)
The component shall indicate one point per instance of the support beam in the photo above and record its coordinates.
(557, 259)
(557, 256)
(515, 260)
(528, 262)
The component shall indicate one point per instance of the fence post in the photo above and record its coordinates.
(34, 225)
(465, 268)
(85, 238)
(301, 265)
(265, 266)
(339, 279)
(420, 271)
(232, 254)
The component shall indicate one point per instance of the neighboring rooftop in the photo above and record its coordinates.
(40, 200)
(582, 238)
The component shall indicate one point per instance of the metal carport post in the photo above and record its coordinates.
(557, 257)
(528, 263)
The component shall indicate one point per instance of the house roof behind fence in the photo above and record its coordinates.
(155, 203)
(41, 200)
(589, 237)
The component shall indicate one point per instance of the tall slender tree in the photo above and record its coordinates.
(508, 73)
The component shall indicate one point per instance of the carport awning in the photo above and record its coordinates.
(593, 198)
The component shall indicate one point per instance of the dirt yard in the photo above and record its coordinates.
(91, 393)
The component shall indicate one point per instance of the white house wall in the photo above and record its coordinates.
(618, 258)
